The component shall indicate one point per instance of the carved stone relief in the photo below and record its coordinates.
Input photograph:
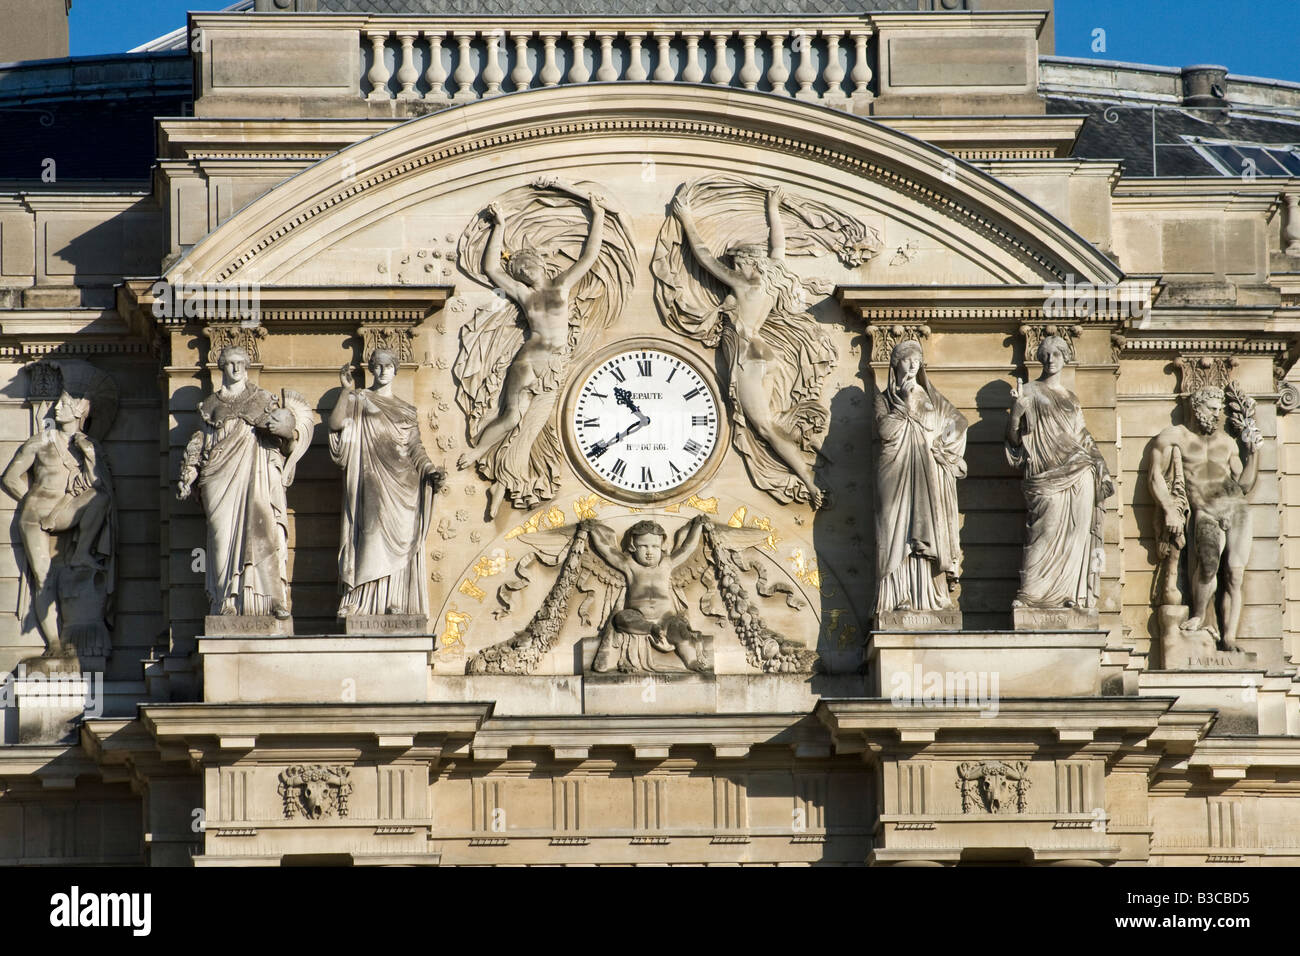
(633, 590)
(755, 309)
(67, 514)
(992, 786)
(224, 335)
(1201, 478)
(561, 282)
(315, 791)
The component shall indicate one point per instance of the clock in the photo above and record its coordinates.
(643, 422)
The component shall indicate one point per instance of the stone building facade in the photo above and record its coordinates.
(969, 540)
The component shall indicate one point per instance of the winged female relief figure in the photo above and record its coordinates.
(562, 281)
(776, 353)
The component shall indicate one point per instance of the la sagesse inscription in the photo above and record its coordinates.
(645, 421)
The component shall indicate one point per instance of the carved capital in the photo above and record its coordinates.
(398, 339)
(226, 335)
(884, 338)
(1288, 398)
(44, 381)
(1196, 372)
(1034, 335)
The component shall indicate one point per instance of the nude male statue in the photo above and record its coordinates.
(58, 478)
(650, 606)
(1202, 479)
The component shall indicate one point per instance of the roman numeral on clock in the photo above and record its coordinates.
(646, 477)
(693, 447)
(620, 466)
(699, 419)
(617, 373)
(691, 394)
(676, 470)
(643, 367)
(590, 422)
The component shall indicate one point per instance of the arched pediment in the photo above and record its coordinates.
(337, 220)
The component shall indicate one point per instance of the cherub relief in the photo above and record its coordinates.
(561, 281)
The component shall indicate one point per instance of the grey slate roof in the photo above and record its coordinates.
(536, 8)
(1118, 131)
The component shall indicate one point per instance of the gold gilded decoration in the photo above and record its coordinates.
(470, 589)
(806, 570)
(453, 635)
(674, 508)
(708, 505)
(485, 567)
(552, 517)
(737, 519)
(585, 507)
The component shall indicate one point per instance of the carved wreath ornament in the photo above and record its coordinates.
(992, 786)
(315, 791)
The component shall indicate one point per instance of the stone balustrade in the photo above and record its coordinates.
(822, 60)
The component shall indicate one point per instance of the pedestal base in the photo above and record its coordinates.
(1196, 649)
(246, 625)
(1234, 694)
(386, 624)
(975, 665)
(51, 706)
(317, 670)
(948, 619)
(1055, 619)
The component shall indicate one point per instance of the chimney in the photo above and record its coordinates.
(1205, 85)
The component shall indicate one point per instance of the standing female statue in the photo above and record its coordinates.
(388, 489)
(922, 444)
(243, 457)
(1065, 483)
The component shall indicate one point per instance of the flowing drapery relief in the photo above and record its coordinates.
(243, 457)
(755, 309)
(922, 454)
(1065, 484)
(67, 512)
(564, 264)
(388, 488)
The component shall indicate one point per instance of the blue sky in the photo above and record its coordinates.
(1252, 37)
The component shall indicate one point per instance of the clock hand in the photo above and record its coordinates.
(600, 447)
(624, 397)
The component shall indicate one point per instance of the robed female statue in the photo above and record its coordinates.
(388, 489)
(1066, 481)
(922, 447)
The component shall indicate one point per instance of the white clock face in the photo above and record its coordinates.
(645, 421)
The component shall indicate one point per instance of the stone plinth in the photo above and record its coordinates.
(649, 694)
(1233, 693)
(1195, 649)
(948, 619)
(386, 624)
(1054, 618)
(1004, 663)
(326, 669)
(246, 625)
(50, 706)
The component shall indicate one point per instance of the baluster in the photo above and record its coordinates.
(749, 72)
(833, 72)
(607, 72)
(378, 75)
(407, 74)
(550, 73)
(579, 72)
(861, 75)
(693, 72)
(436, 74)
(806, 73)
(464, 74)
(635, 68)
(522, 75)
(664, 72)
(721, 72)
(777, 71)
(492, 72)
